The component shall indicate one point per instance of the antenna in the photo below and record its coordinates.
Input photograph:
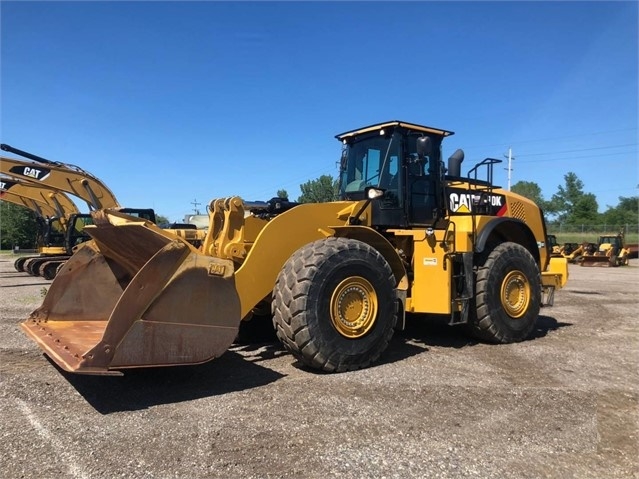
(196, 204)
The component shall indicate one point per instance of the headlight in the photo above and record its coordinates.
(373, 193)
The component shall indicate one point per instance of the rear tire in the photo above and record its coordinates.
(334, 305)
(507, 295)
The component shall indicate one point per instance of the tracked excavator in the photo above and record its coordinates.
(54, 211)
(68, 229)
(74, 180)
(60, 176)
(406, 235)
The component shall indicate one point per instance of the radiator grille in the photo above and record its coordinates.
(518, 210)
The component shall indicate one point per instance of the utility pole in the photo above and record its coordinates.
(195, 204)
(510, 160)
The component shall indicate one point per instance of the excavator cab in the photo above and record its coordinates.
(76, 234)
(142, 213)
(54, 232)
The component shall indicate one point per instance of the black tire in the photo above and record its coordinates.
(32, 265)
(49, 269)
(507, 295)
(18, 264)
(334, 305)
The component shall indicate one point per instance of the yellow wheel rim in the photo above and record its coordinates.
(354, 307)
(515, 294)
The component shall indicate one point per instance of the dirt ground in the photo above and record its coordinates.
(562, 404)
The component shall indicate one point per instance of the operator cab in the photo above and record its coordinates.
(404, 160)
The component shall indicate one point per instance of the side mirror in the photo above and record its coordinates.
(343, 158)
(424, 147)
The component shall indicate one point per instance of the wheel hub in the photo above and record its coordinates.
(354, 307)
(515, 294)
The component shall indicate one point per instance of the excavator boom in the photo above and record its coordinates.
(55, 200)
(41, 210)
(64, 177)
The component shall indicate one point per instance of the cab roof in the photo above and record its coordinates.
(396, 123)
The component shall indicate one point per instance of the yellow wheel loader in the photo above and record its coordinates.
(610, 250)
(406, 236)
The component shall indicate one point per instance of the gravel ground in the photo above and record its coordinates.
(562, 404)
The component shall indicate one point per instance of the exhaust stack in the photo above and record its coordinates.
(454, 163)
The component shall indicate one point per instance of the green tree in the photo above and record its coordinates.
(282, 194)
(626, 212)
(569, 203)
(585, 210)
(530, 190)
(161, 220)
(321, 190)
(18, 226)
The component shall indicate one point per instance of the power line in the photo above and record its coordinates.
(537, 140)
(195, 205)
(578, 157)
(581, 149)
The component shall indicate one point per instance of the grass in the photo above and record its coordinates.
(591, 237)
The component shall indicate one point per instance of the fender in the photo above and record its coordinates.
(381, 244)
(510, 229)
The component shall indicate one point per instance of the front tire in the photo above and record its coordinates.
(334, 305)
(507, 295)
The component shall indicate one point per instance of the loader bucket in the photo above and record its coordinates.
(136, 296)
(597, 260)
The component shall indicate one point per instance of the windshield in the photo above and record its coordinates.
(371, 161)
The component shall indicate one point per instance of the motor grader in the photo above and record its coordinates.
(405, 236)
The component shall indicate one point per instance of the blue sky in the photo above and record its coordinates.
(171, 103)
